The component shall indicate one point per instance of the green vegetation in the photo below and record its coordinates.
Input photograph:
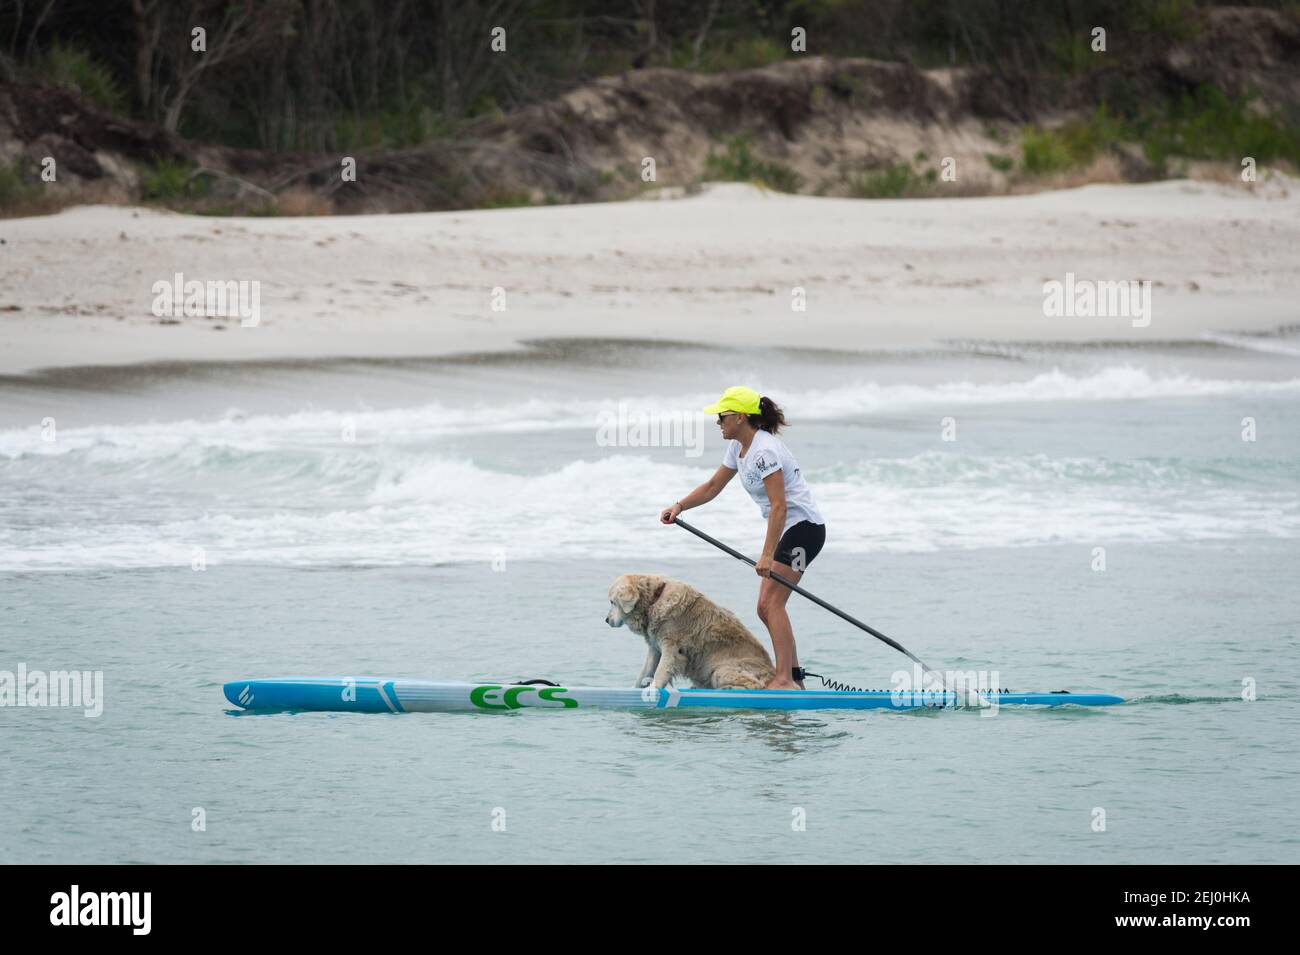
(14, 187)
(743, 53)
(170, 181)
(1073, 144)
(1204, 125)
(371, 75)
(1209, 125)
(893, 181)
(846, 82)
(393, 129)
(1042, 152)
(738, 164)
(1174, 19)
(75, 69)
(1073, 55)
(1000, 163)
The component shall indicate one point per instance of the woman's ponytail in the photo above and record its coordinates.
(770, 418)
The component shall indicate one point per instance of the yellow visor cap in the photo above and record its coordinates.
(738, 398)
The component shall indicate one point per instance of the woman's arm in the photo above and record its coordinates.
(701, 495)
(774, 484)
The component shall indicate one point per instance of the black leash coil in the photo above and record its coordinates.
(799, 673)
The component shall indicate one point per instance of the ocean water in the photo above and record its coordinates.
(1084, 517)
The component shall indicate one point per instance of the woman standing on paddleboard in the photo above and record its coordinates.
(795, 530)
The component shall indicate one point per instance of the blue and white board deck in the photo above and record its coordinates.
(367, 694)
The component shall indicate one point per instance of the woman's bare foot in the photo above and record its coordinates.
(781, 685)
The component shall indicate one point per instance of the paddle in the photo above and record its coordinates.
(815, 599)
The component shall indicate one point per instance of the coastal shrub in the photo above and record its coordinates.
(1093, 135)
(1069, 51)
(1073, 55)
(1174, 20)
(739, 164)
(894, 180)
(741, 54)
(389, 128)
(75, 69)
(1070, 145)
(14, 187)
(1208, 124)
(1042, 152)
(1205, 124)
(1003, 164)
(891, 182)
(168, 181)
(847, 85)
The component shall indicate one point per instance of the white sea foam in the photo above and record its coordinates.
(426, 509)
(386, 487)
(253, 432)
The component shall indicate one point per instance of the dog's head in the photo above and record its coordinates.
(629, 599)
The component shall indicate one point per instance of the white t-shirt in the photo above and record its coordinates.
(767, 453)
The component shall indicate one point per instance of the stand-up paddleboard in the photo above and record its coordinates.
(365, 694)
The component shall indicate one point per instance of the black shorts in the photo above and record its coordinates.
(800, 544)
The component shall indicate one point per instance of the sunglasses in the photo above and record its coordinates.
(725, 415)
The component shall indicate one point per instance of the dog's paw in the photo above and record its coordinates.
(645, 683)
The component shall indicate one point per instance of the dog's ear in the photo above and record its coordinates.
(624, 593)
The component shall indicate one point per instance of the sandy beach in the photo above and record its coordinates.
(76, 287)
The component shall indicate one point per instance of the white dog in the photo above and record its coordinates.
(687, 634)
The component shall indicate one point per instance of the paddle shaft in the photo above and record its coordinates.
(813, 597)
